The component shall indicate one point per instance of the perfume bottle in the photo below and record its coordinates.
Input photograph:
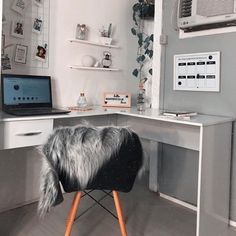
(106, 61)
(82, 101)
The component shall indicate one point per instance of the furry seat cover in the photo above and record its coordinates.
(85, 157)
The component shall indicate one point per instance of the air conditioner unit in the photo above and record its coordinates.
(204, 14)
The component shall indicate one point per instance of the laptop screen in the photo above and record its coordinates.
(22, 91)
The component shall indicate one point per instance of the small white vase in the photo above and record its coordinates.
(105, 40)
(88, 61)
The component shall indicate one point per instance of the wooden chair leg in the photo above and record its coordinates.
(119, 213)
(72, 213)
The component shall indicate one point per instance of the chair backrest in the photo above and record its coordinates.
(119, 172)
(87, 157)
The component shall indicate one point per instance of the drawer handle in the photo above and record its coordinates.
(30, 134)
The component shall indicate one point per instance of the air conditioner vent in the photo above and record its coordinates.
(186, 8)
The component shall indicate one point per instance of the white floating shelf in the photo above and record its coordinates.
(93, 68)
(92, 43)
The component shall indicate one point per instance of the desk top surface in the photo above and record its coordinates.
(151, 114)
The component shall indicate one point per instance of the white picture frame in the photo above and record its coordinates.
(41, 53)
(17, 29)
(39, 3)
(116, 99)
(21, 54)
(37, 26)
(19, 6)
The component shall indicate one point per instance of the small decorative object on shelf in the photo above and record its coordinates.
(81, 31)
(141, 97)
(88, 61)
(106, 61)
(82, 101)
(116, 99)
(106, 38)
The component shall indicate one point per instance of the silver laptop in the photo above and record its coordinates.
(27, 95)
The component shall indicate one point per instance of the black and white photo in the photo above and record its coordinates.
(17, 29)
(37, 25)
(41, 52)
(19, 6)
(21, 54)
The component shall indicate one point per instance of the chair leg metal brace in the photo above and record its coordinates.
(74, 207)
(72, 213)
(119, 213)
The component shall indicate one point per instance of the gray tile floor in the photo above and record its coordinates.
(146, 215)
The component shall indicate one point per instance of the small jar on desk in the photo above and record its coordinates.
(82, 101)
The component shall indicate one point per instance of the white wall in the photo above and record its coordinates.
(68, 82)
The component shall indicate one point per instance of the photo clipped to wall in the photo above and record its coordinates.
(17, 29)
(37, 26)
(41, 52)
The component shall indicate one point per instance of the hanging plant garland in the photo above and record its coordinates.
(141, 9)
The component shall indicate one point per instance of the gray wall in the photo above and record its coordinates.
(223, 103)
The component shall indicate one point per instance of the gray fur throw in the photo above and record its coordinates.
(75, 154)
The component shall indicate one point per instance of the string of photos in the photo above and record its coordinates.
(25, 34)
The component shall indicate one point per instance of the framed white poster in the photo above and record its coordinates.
(21, 54)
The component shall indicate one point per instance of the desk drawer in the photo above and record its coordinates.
(16, 134)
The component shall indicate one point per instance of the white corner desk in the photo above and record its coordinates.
(209, 135)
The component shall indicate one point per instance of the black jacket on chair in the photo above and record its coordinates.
(85, 157)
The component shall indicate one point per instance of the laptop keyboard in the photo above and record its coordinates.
(36, 111)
